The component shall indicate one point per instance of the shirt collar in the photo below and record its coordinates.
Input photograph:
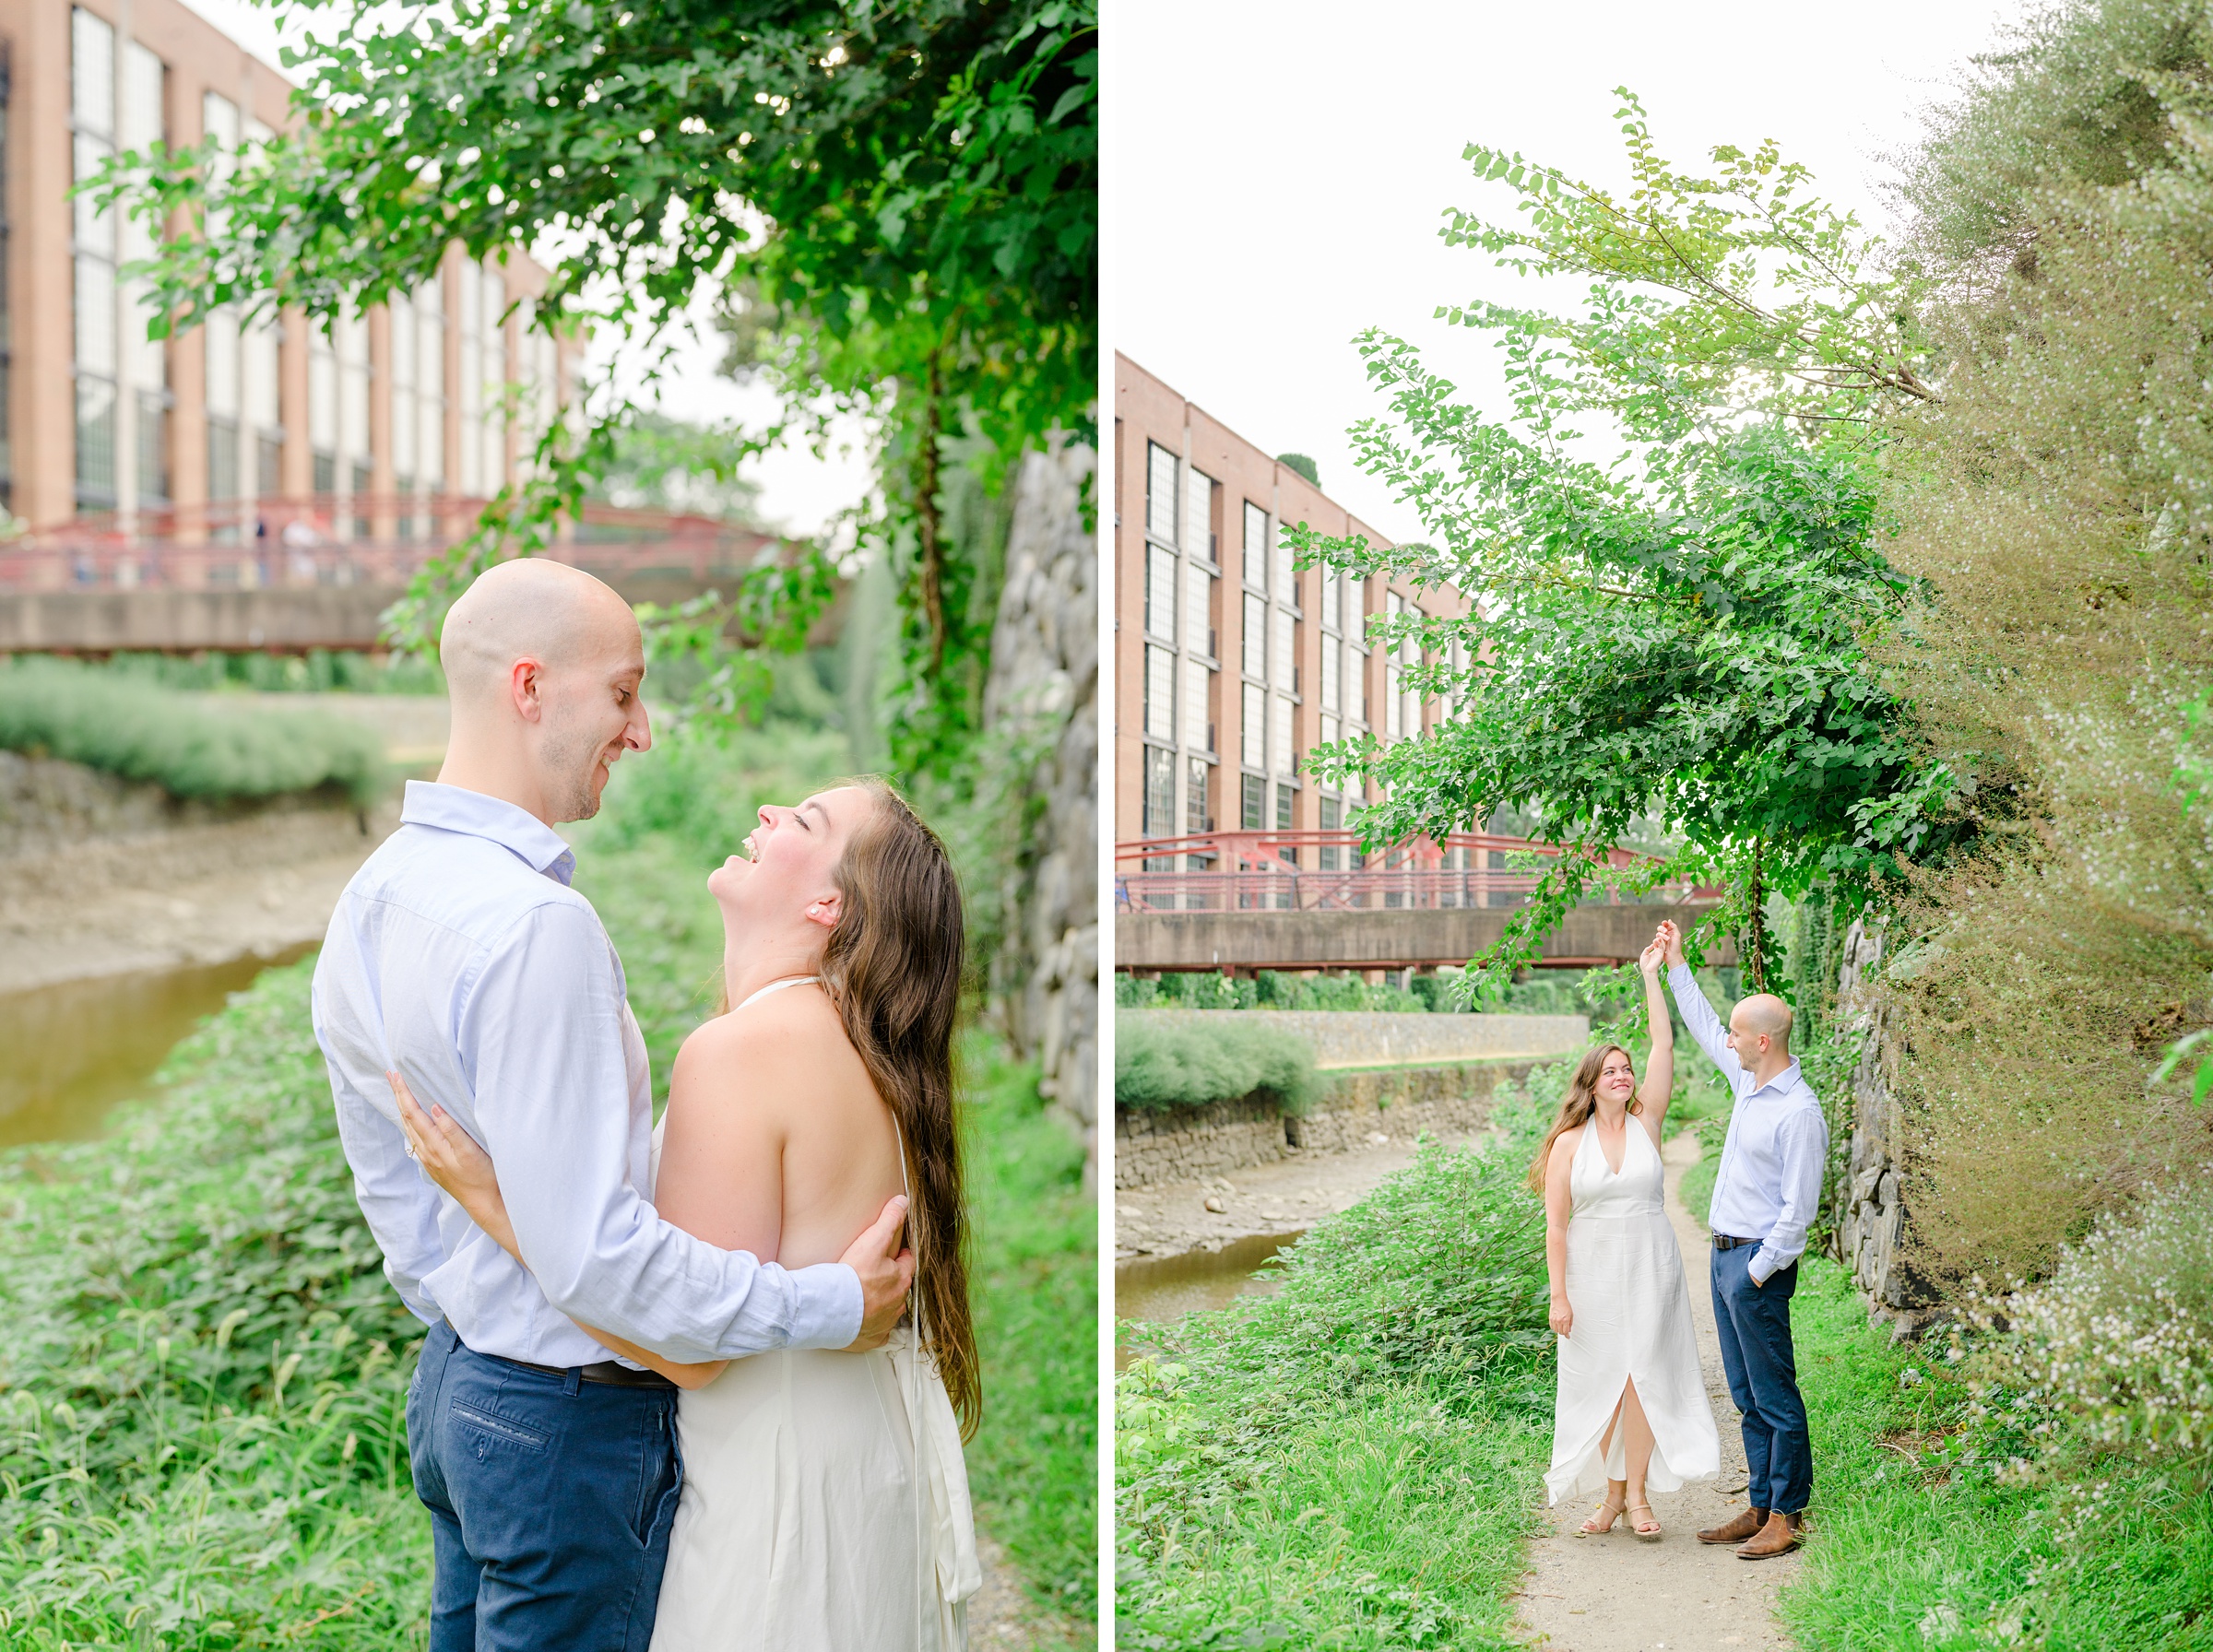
(456, 809)
(1781, 1083)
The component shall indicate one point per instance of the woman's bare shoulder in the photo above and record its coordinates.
(781, 1048)
(1566, 1143)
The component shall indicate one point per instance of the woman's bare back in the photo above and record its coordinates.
(776, 1142)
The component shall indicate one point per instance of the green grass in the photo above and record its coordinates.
(202, 1432)
(1354, 1461)
(133, 726)
(1033, 1463)
(1923, 1545)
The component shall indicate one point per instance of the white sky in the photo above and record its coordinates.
(799, 493)
(1279, 168)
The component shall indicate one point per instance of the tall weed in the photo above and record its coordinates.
(125, 725)
(1351, 1459)
(2112, 1355)
(1159, 1066)
(202, 1434)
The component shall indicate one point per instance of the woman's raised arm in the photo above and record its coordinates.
(1659, 1066)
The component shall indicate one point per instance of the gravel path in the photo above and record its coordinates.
(1002, 1618)
(1613, 1594)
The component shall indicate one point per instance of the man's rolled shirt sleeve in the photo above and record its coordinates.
(542, 1038)
(1805, 1150)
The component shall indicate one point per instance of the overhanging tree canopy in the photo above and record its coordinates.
(1681, 631)
(901, 198)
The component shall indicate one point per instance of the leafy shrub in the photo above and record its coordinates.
(141, 731)
(702, 790)
(2114, 1351)
(318, 671)
(1158, 1067)
(1439, 1272)
(1271, 989)
(201, 1433)
(1352, 1460)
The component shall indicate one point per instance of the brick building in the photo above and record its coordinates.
(366, 428)
(1229, 663)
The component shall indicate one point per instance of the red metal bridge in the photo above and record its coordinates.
(1242, 900)
(297, 574)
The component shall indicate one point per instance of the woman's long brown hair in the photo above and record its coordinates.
(892, 967)
(1580, 1104)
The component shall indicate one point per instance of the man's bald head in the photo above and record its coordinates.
(543, 664)
(528, 609)
(1764, 1014)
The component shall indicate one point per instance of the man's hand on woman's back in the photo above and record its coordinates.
(885, 1269)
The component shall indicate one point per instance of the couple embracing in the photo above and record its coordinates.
(1632, 1414)
(698, 1387)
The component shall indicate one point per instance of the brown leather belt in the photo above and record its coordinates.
(1723, 1242)
(609, 1372)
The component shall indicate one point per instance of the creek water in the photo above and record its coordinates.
(77, 1050)
(1160, 1290)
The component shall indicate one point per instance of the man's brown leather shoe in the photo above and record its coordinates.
(1748, 1524)
(1779, 1536)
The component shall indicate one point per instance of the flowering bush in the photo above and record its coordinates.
(2115, 1351)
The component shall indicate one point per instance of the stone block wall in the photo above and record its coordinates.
(1870, 1217)
(1041, 708)
(1151, 1149)
(1188, 1146)
(1403, 1102)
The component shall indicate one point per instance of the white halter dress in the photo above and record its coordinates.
(1632, 1319)
(825, 1504)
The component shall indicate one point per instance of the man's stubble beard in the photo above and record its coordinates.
(569, 759)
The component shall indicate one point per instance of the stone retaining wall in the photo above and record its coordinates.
(1870, 1217)
(1042, 700)
(1151, 1149)
(1190, 1145)
(1363, 1038)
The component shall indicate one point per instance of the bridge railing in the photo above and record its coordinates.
(1328, 871)
(341, 539)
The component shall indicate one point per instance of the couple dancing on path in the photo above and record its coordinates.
(668, 1399)
(1632, 1414)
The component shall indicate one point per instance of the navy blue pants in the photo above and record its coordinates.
(1755, 1325)
(550, 1503)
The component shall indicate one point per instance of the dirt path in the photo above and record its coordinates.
(1613, 1594)
(1001, 1618)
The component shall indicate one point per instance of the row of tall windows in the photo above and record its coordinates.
(1181, 658)
(123, 395)
(122, 377)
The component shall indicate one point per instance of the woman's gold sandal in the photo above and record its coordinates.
(1588, 1531)
(1638, 1531)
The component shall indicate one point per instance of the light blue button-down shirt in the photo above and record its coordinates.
(459, 955)
(1769, 1182)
